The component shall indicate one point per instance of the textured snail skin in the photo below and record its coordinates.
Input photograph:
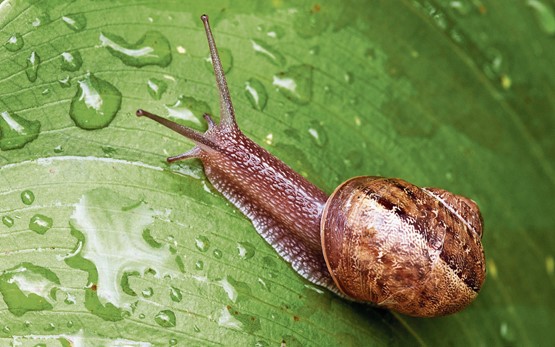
(409, 249)
(419, 248)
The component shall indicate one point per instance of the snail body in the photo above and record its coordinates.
(385, 241)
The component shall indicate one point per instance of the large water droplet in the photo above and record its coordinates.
(152, 48)
(71, 61)
(295, 84)
(156, 88)
(8, 221)
(28, 287)
(544, 15)
(16, 131)
(256, 94)
(202, 243)
(33, 63)
(235, 290)
(245, 249)
(27, 197)
(40, 223)
(268, 52)
(189, 110)
(14, 43)
(225, 57)
(95, 104)
(165, 318)
(75, 21)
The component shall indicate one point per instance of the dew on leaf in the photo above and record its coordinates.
(233, 319)
(64, 82)
(172, 342)
(75, 21)
(58, 149)
(156, 88)
(33, 63)
(175, 294)
(8, 221)
(245, 250)
(152, 48)
(202, 243)
(14, 43)
(27, 197)
(71, 61)
(274, 56)
(95, 104)
(199, 265)
(256, 94)
(544, 15)
(225, 57)
(165, 318)
(110, 244)
(235, 290)
(217, 254)
(188, 109)
(147, 292)
(295, 84)
(28, 287)
(40, 223)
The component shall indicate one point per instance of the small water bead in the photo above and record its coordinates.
(156, 88)
(50, 327)
(71, 61)
(8, 221)
(172, 342)
(175, 294)
(147, 292)
(165, 318)
(274, 56)
(256, 94)
(75, 21)
(152, 48)
(196, 329)
(64, 82)
(14, 43)
(199, 265)
(318, 134)
(40, 223)
(217, 254)
(202, 243)
(225, 57)
(246, 250)
(544, 15)
(295, 83)
(33, 63)
(27, 197)
(189, 110)
(95, 103)
(58, 149)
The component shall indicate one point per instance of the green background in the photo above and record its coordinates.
(453, 94)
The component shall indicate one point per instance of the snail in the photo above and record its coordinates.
(379, 240)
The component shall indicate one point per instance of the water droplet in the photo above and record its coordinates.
(172, 342)
(318, 134)
(261, 343)
(495, 64)
(295, 84)
(6, 329)
(544, 15)
(311, 23)
(196, 329)
(314, 50)
(40, 223)
(75, 21)
(175, 294)
(202, 243)
(147, 292)
(549, 265)
(33, 63)
(268, 52)
(156, 88)
(64, 82)
(95, 104)
(8, 221)
(349, 77)
(225, 57)
(246, 250)
(58, 149)
(50, 327)
(152, 48)
(69, 324)
(235, 290)
(165, 318)
(461, 7)
(27, 197)
(505, 332)
(275, 32)
(188, 109)
(256, 94)
(14, 43)
(199, 265)
(28, 287)
(217, 254)
(70, 299)
(263, 284)
(233, 319)
(71, 61)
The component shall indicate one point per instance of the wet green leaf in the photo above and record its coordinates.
(454, 94)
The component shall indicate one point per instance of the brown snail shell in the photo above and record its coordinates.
(413, 250)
